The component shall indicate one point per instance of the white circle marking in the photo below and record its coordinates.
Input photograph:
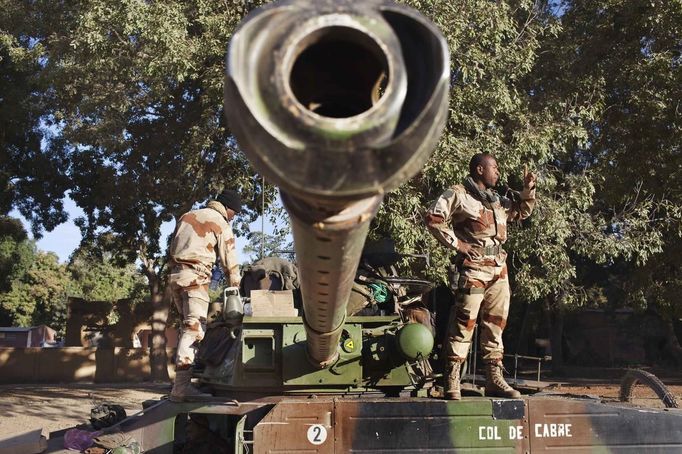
(317, 434)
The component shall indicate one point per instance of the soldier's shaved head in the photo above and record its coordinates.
(483, 169)
(478, 159)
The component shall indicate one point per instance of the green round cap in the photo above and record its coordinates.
(414, 340)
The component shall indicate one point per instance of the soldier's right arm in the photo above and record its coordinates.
(438, 218)
(227, 254)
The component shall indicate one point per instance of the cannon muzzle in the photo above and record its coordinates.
(335, 102)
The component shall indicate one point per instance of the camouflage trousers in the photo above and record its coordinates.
(484, 290)
(192, 303)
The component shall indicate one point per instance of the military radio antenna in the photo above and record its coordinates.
(262, 219)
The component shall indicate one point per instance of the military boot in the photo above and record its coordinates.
(183, 391)
(452, 379)
(495, 385)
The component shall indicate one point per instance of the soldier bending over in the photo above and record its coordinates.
(201, 237)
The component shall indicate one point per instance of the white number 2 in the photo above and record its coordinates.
(317, 434)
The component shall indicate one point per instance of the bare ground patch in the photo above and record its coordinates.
(56, 407)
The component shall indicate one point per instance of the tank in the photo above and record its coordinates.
(337, 103)
(357, 98)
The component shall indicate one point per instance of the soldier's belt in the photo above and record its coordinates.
(471, 291)
(490, 250)
(198, 267)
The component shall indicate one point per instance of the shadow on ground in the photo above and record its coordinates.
(52, 407)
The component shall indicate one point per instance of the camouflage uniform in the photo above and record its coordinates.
(458, 215)
(199, 237)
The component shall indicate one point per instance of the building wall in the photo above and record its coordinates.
(145, 336)
(15, 338)
(74, 364)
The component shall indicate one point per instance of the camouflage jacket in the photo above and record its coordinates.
(201, 236)
(457, 215)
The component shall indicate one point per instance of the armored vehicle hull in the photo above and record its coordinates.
(336, 424)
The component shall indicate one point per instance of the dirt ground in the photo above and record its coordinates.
(609, 392)
(56, 407)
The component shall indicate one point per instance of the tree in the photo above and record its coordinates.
(16, 252)
(138, 96)
(126, 99)
(623, 60)
(277, 243)
(33, 285)
(16, 255)
(584, 92)
(99, 277)
(32, 160)
(39, 295)
(264, 245)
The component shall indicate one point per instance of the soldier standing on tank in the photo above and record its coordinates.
(201, 238)
(471, 218)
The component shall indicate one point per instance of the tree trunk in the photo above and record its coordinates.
(555, 325)
(673, 343)
(522, 337)
(158, 359)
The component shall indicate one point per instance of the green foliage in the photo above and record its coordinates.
(615, 65)
(34, 286)
(38, 296)
(127, 99)
(32, 161)
(138, 98)
(277, 244)
(98, 277)
(16, 252)
(493, 48)
(586, 99)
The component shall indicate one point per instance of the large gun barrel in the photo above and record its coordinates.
(336, 102)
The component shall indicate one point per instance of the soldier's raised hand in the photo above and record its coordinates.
(529, 178)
